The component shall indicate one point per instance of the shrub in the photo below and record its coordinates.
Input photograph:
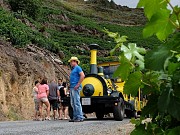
(29, 7)
(13, 29)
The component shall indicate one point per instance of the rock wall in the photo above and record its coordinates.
(19, 68)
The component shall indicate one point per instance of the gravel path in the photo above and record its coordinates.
(88, 127)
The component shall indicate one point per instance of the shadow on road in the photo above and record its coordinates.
(104, 119)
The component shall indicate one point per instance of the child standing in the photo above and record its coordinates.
(36, 100)
(64, 104)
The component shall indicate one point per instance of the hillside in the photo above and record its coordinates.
(69, 27)
(61, 30)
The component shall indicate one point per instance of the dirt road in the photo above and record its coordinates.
(63, 127)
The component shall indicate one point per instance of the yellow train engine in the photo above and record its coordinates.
(103, 94)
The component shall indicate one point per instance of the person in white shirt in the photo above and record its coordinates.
(36, 100)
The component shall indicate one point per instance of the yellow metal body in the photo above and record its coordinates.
(101, 74)
(98, 86)
(120, 86)
(109, 84)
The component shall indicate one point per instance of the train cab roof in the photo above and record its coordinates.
(109, 68)
(105, 64)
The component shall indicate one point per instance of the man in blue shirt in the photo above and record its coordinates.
(76, 78)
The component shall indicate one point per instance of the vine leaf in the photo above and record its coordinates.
(112, 52)
(167, 102)
(124, 69)
(152, 6)
(163, 101)
(172, 67)
(151, 106)
(174, 103)
(151, 83)
(160, 25)
(133, 51)
(174, 131)
(111, 34)
(139, 130)
(156, 58)
(117, 38)
(134, 54)
(140, 63)
(133, 83)
(121, 39)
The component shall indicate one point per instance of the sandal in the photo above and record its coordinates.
(60, 119)
(47, 118)
(55, 118)
(40, 119)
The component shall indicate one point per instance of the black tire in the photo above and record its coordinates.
(128, 114)
(119, 110)
(99, 115)
(70, 111)
(131, 114)
(134, 114)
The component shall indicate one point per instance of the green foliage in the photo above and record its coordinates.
(134, 54)
(160, 78)
(30, 7)
(13, 29)
(133, 83)
(151, 7)
(124, 69)
(162, 21)
(162, 26)
(20, 34)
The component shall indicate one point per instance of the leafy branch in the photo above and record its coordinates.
(177, 13)
(159, 79)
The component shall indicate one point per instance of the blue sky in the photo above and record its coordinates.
(133, 3)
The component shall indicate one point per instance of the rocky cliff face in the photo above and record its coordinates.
(19, 68)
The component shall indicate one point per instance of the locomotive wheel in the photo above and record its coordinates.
(70, 111)
(118, 111)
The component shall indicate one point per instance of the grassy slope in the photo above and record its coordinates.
(20, 34)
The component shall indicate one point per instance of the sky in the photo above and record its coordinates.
(133, 3)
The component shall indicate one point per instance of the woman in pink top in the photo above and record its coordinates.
(43, 92)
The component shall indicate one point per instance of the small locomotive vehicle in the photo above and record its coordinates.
(103, 94)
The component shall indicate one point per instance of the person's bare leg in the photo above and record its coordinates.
(40, 109)
(60, 112)
(65, 112)
(48, 108)
(54, 115)
(36, 115)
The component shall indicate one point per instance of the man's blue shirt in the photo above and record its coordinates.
(75, 76)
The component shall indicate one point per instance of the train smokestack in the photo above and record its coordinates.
(93, 61)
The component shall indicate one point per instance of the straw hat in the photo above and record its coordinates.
(75, 59)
